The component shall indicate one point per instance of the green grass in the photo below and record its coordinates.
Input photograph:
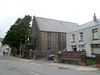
(90, 62)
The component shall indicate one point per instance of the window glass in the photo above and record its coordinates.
(81, 37)
(81, 47)
(95, 34)
(73, 38)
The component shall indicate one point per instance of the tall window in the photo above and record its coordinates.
(49, 41)
(73, 38)
(95, 34)
(81, 37)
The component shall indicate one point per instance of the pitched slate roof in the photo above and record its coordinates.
(45, 24)
(87, 25)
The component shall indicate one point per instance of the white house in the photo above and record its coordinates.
(85, 37)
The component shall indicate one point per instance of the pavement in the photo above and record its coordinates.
(64, 65)
(73, 67)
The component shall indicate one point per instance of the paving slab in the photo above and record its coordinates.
(74, 67)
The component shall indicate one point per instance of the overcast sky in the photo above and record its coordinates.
(78, 11)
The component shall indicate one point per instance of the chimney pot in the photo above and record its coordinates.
(94, 18)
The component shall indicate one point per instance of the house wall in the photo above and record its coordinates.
(47, 40)
(52, 41)
(87, 39)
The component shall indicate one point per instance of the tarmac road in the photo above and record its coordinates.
(14, 66)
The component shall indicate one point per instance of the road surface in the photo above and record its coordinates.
(14, 66)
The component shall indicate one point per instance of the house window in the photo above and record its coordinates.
(95, 34)
(49, 41)
(81, 37)
(95, 48)
(82, 47)
(73, 38)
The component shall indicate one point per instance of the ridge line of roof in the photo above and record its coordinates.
(57, 20)
(98, 22)
(90, 22)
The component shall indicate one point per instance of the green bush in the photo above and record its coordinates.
(90, 62)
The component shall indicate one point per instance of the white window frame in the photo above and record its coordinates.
(81, 37)
(95, 34)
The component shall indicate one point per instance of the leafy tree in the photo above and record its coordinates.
(18, 32)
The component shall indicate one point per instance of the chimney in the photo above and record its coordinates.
(94, 18)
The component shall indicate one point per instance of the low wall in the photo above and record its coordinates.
(71, 56)
(29, 54)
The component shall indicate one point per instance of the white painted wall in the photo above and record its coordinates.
(87, 36)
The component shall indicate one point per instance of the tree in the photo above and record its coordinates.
(18, 32)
